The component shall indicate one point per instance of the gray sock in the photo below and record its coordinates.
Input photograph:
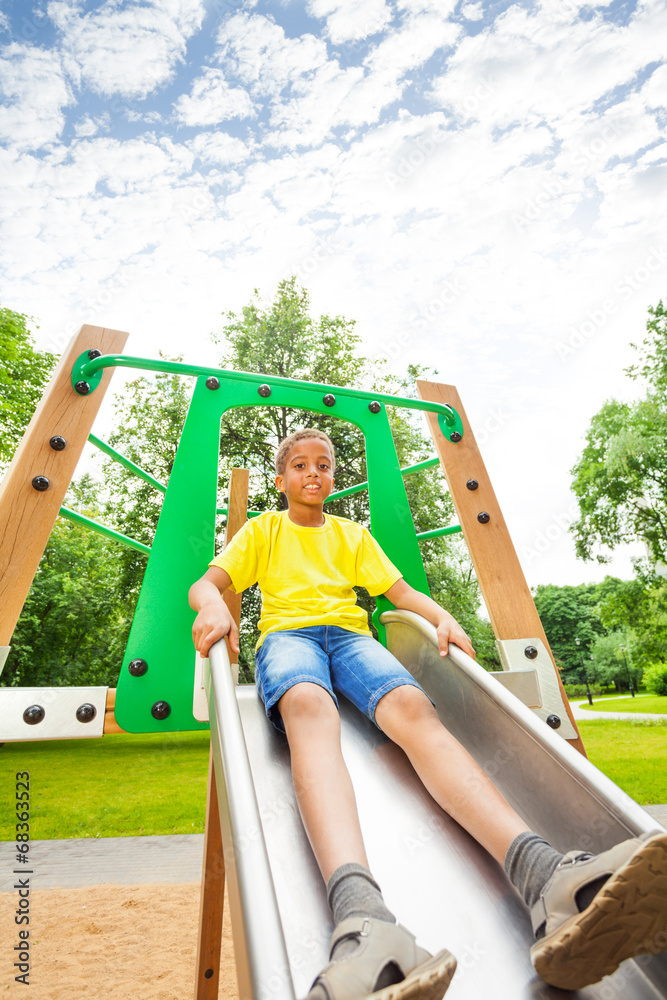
(353, 892)
(529, 863)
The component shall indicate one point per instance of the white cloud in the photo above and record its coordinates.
(89, 126)
(473, 11)
(35, 92)
(124, 47)
(348, 20)
(218, 147)
(212, 100)
(256, 50)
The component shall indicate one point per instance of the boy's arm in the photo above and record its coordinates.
(214, 618)
(402, 595)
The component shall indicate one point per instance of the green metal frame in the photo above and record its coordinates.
(185, 536)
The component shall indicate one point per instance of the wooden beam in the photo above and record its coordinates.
(213, 874)
(110, 724)
(26, 515)
(506, 594)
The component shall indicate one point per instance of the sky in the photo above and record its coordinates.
(482, 186)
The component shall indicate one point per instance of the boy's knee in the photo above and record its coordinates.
(307, 703)
(404, 705)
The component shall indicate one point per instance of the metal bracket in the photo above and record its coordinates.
(4, 653)
(199, 699)
(59, 713)
(513, 657)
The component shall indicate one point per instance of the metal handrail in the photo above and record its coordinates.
(262, 963)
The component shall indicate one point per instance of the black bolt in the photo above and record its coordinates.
(33, 714)
(208, 974)
(161, 709)
(329, 399)
(455, 437)
(472, 484)
(40, 483)
(530, 652)
(58, 443)
(137, 667)
(86, 712)
(375, 407)
(264, 390)
(553, 721)
(83, 388)
(212, 382)
(483, 517)
(94, 354)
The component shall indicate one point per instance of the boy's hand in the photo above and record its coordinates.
(448, 631)
(212, 623)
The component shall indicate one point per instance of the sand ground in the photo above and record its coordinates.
(111, 942)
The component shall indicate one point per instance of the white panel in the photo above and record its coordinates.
(60, 706)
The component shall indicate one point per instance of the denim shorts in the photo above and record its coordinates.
(355, 665)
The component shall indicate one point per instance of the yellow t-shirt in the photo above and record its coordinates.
(306, 575)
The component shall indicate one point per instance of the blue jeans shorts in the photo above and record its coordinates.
(355, 665)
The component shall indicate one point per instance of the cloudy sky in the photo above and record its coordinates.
(481, 185)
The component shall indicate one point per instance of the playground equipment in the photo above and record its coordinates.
(279, 917)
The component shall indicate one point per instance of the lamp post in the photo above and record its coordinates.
(584, 672)
(627, 670)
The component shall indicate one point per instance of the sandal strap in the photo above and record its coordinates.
(350, 927)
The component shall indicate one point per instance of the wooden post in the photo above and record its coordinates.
(504, 589)
(27, 516)
(213, 872)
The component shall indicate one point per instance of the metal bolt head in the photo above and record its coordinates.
(472, 484)
(94, 354)
(86, 712)
(208, 974)
(33, 714)
(375, 407)
(58, 443)
(161, 709)
(530, 652)
(455, 436)
(553, 721)
(264, 390)
(83, 388)
(137, 667)
(483, 517)
(212, 382)
(40, 483)
(329, 399)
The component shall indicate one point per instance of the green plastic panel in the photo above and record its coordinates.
(184, 539)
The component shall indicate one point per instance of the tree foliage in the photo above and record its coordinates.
(23, 376)
(620, 481)
(73, 627)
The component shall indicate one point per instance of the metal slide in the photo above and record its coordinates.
(435, 877)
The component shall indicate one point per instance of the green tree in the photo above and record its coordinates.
(73, 627)
(609, 665)
(24, 373)
(620, 481)
(638, 608)
(569, 613)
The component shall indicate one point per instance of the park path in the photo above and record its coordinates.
(581, 714)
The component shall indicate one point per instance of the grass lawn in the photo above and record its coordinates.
(116, 786)
(125, 786)
(649, 703)
(632, 753)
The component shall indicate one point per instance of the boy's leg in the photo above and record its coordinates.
(322, 783)
(454, 779)
(589, 913)
(369, 951)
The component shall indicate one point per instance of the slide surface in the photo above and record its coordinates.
(440, 884)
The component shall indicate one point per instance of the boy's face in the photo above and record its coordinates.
(308, 476)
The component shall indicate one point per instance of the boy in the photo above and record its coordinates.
(314, 640)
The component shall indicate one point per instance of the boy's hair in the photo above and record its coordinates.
(285, 446)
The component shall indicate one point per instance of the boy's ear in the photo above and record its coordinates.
(279, 484)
